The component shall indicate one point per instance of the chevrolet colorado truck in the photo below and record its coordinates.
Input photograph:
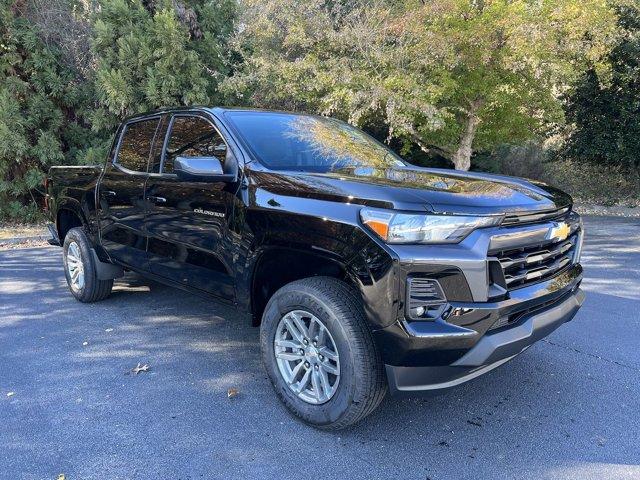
(365, 274)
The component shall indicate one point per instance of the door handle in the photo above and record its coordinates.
(108, 193)
(157, 199)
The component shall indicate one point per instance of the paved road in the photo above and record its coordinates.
(567, 408)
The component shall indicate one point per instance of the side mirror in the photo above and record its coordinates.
(201, 169)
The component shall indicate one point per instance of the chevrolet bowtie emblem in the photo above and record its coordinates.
(559, 232)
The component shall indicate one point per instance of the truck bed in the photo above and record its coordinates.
(71, 185)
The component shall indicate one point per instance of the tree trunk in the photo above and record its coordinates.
(462, 156)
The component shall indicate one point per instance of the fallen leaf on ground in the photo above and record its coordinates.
(140, 368)
(232, 392)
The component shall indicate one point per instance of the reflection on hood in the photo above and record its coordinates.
(417, 189)
(464, 185)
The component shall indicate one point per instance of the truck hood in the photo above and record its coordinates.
(434, 190)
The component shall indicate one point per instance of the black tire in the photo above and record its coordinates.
(362, 384)
(93, 289)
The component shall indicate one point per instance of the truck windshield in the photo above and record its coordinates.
(283, 141)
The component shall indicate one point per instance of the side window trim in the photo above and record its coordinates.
(114, 160)
(165, 145)
(165, 118)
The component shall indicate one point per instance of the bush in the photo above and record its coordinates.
(587, 182)
(527, 161)
(604, 116)
(41, 113)
(597, 184)
(60, 99)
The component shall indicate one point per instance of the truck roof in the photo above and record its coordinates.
(206, 108)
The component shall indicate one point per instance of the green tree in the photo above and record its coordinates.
(605, 116)
(449, 75)
(42, 111)
(68, 76)
(153, 54)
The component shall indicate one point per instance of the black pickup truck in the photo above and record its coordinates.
(364, 273)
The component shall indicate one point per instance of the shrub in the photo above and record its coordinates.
(598, 184)
(587, 182)
(41, 112)
(526, 160)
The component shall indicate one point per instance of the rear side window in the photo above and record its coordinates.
(136, 145)
(193, 137)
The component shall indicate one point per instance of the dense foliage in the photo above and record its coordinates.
(606, 115)
(449, 75)
(60, 97)
(156, 54)
(42, 109)
(442, 78)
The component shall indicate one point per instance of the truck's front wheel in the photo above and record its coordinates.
(80, 268)
(319, 353)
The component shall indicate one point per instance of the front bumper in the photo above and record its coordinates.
(483, 321)
(476, 337)
(491, 351)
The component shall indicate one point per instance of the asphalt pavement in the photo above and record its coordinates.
(569, 407)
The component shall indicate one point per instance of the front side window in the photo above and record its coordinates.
(135, 146)
(284, 141)
(193, 137)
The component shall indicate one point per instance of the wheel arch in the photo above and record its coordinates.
(68, 216)
(278, 266)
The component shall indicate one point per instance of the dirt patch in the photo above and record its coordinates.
(5, 245)
(8, 230)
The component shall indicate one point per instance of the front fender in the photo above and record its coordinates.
(329, 230)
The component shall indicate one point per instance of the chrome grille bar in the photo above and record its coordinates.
(529, 264)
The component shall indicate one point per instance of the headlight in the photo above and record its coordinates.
(418, 228)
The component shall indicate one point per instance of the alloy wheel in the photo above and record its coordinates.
(307, 357)
(75, 266)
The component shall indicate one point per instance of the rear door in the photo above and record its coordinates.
(121, 200)
(188, 222)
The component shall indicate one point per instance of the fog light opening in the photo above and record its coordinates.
(427, 312)
(425, 299)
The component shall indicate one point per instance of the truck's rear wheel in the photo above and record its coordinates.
(80, 269)
(319, 353)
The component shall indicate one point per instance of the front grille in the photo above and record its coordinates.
(530, 264)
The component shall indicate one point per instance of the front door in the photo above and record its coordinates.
(187, 222)
(121, 194)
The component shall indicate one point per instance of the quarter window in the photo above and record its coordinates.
(193, 137)
(136, 145)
